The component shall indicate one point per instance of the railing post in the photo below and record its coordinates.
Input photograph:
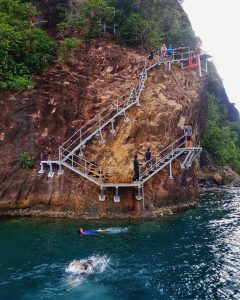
(60, 154)
(72, 160)
(85, 167)
(199, 66)
(99, 121)
(80, 135)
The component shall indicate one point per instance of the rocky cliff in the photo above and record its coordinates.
(64, 99)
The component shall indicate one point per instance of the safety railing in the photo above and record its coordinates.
(96, 122)
(167, 152)
(90, 169)
(104, 117)
(178, 55)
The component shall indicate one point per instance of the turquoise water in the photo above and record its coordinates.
(192, 255)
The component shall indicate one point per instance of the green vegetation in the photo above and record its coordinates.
(86, 15)
(145, 23)
(24, 50)
(27, 160)
(65, 49)
(222, 137)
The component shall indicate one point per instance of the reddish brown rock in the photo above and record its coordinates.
(64, 99)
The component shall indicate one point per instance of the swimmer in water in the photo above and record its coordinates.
(90, 232)
(87, 266)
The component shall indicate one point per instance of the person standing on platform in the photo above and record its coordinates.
(136, 168)
(170, 50)
(163, 51)
(136, 83)
(148, 156)
(151, 55)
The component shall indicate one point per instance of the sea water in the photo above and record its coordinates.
(194, 254)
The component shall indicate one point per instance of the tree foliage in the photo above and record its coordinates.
(87, 15)
(24, 50)
(146, 23)
(221, 138)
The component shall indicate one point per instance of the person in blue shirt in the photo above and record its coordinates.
(92, 231)
(170, 50)
(148, 156)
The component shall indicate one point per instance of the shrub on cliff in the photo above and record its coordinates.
(65, 49)
(24, 50)
(27, 160)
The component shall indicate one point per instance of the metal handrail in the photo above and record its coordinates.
(156, 158)
(85, 165)
(96, 117)
(102, 118)
(110, 113)
(83, 159)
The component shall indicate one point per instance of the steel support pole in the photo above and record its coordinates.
(51, 173)
(42, 169)
(170, 170)
(113, 131)
(116, 197)
(126, 119)
(139, 196)
(60, 169)
(143, 200)
(102, 197)
(102, 141)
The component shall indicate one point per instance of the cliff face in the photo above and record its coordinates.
(64, 99)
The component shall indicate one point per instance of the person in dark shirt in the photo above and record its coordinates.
(136, 168)
(148, 156)
(151, 55)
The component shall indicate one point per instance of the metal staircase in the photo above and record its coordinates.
(72, 151)
(166, 157)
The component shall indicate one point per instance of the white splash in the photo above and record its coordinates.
(99, 264)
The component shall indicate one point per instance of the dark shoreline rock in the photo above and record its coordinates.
(213, 176)
(160, 212)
